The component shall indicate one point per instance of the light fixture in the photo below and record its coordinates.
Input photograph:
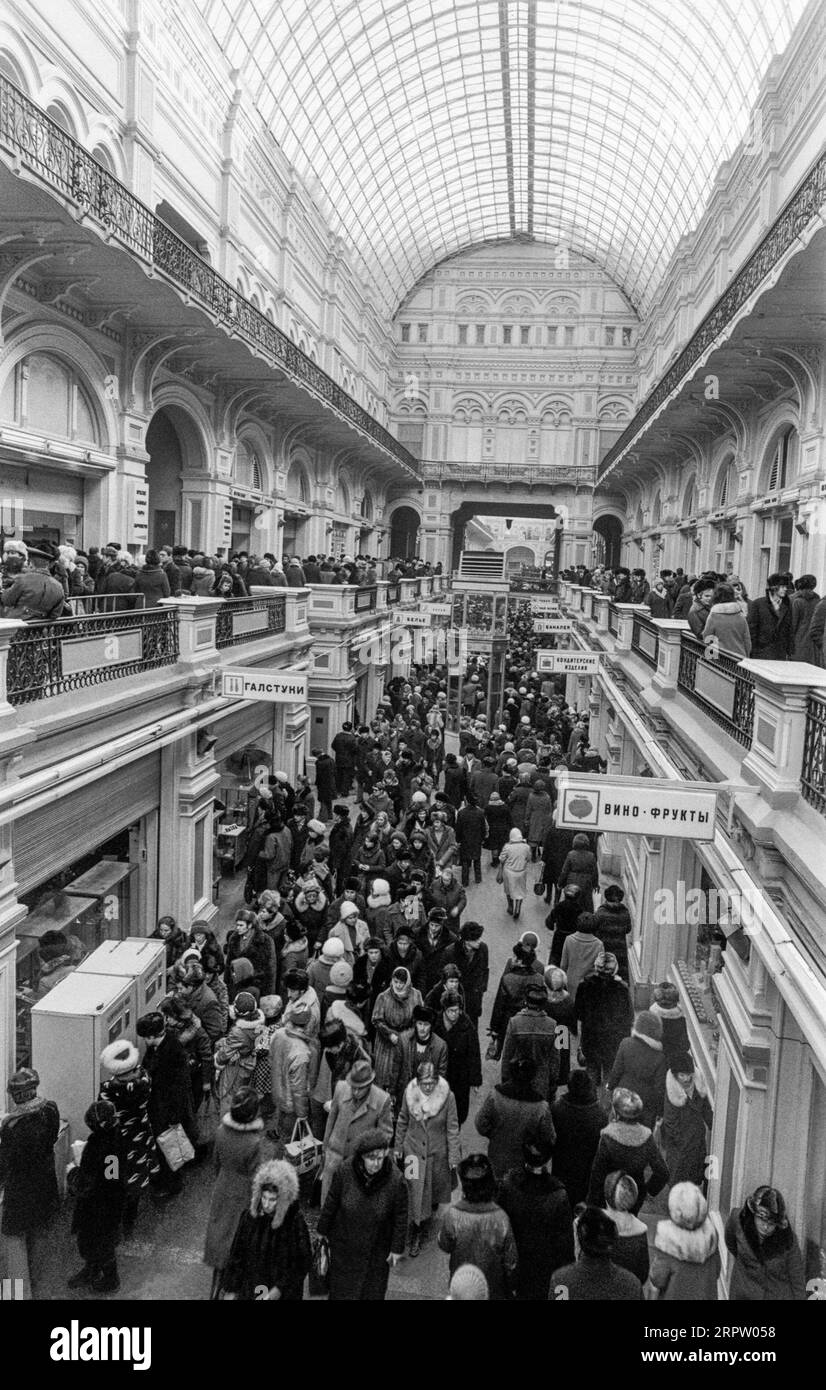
(801, 528)
(737, 537)
(508, 522)
(205, 742)
(696, 539)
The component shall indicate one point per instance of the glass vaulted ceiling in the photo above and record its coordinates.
(432, 125)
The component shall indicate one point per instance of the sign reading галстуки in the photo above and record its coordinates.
(276, 687)
(636, 806)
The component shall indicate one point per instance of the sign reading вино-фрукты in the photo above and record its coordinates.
(636, 806)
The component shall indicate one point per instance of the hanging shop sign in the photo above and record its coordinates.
(138, 504)
(553, 625)
(276, 687)
(637, 806)
(404, 619)
(439, 610)
(568, 663)
(544, 606)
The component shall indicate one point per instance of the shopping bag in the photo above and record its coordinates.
(304, 1151)
(319, 1284)
(175, 1147)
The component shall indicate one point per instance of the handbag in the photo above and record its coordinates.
(175, 1147)
(304, 1151)
(319, 1282)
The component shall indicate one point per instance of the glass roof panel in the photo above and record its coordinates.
(430, 125)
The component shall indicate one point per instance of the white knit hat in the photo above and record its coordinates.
(333, 949)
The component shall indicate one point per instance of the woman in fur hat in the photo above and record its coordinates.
(100, 1191)
(271, 1255)
(392, 1026)
(240, 1149)
(686, 1119)
(631, 1249)
(427, 1137)
(686, 1265)
(127, 1086)
(767, 1266)
(613, 926)
(627, 1145)
(666, 1006)
(364, 1220)
(235, 1054)
(639, 1066)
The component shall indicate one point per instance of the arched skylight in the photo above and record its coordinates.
(426, 126)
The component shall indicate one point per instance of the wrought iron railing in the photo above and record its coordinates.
(440, 470)
(645, 639)
(798, 211)
(249, 619)
(83, 606)
(60, 161)
(719, 686)
(813, 776)
(613, 619)
(54, 658)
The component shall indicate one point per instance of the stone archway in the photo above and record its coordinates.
(608, 541)
(404, 533)
(462, 515)
(174, 446)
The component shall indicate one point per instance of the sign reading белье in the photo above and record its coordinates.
(571, 663)
(277, 688)
(637, 806)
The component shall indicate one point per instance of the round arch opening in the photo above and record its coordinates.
(174, 449)
(404, 533)
(607, 541)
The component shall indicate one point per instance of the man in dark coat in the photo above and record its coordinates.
(470, 955)
(531, 1033)
(27, 1173)
(341, 847)
(445, 893)
(541, 1219)
(325, 783)
(770, 622)
(578, 1119)
(464, 1059)
(471, 830)
(170, 1099)
(605, 1014)
(594, 1278)
(433, 943)
(34, 593)
(345, 749)
(364, 1221)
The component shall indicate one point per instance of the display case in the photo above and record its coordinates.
(111, 883)
(70, 1029)
(230, 844)
(42, 965)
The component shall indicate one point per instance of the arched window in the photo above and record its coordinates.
(10, 69)
(58, 113)
(342, 498)
(656, 510)
(297, 486)
(689, 501)
(248, 470)
(781, 465)
(43, 392)
(367, 507)
(103, 157)
(726, 485)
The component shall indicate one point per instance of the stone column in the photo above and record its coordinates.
(668, 660)
(188, 788)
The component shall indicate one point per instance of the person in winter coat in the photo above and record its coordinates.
(127, 1087)
(562, 920)
(471, 832)
(193, 990)
(804, 601)
(726, 629)
(578, 1119)
(687, 1119)
(703, 596)
(770, 622)
(686, 1263)
(235, 1054)
(580, 867)
(561, 1009)
(433, 944)
(666, 1006)
(99, 1195)
(441, 840)
(271, 1247)
(531, 1033)
(464, 1060)
(364, 1221)
(817, 635)
(580, 952)
(510, 1112)
(173, 938)
(518, 801)
(513, 868)
(538, 1209)
(470, 956)
(423, 1045)
(631, 1249)
(341, 844)
(170, 1096)
(427, 1132)
(358, 1106)
(595, 1277)
(404, 952)
(683, 601)
(28, 1134)
(299, 995)
(151, 581)
(408, 910)
(325, 784)
(447, 893)
(640, 1066)
(659, 600)
(520, 971)
(293, 1066)
(767, 1265)
(392, 1024)
(500, 824)
(379, 902)
(239, 1150)
(249, 942)
(538, 811)
(627, 1146)
(476, 1231)
(345, 748)
(371, 975)
(612, 924)
(318, 971)
(340, 1047)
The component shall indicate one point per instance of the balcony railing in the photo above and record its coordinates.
(613, 619)
(61, 162)
(54, 658)
(246, 619)
(645, 639)
(813, 777)
(719, 686)
(441, 470)
(800, 209)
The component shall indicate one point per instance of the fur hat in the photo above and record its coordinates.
(627, 1104)
(332, 950)
(119, 1057)
(244, 1105)
(687, 1206)
(316, 827)
(300, 1018)
(681, 1064)
(648, 1025)
(283, 1178)
(596, 1232)
(606, 963)
(422, 1014)
(348, 909)
(621, 1192)
(536, 993)
(471, 931)
(271, 1006)
(296, 979)
(370, 1141)
(667, 995)
(245, 1004)
(468, 1285)
(341, 975)
(152, 1025)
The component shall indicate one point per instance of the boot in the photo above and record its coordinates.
(83, 1276)
(510, 907)
(415, 1240)
(106, 1278)
(517, 908)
